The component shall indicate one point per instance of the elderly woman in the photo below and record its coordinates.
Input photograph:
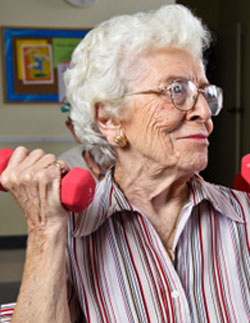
(158, 243)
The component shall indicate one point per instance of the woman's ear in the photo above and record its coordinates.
(106, 124)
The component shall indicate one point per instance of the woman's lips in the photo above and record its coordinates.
(196, 137)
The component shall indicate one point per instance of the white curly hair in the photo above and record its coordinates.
(105, 65)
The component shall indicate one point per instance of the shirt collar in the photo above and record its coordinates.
(109, 199)
(218, 196)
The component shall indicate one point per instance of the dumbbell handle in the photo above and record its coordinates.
(77, 186)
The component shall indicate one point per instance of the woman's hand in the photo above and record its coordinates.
(34, 181)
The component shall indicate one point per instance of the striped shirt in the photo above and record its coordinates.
(119, 270)
(6, 312)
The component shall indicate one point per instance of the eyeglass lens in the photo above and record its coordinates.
(184, 94)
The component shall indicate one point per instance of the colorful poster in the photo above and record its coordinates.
(31, 73)
(19, 58)
(37, 64)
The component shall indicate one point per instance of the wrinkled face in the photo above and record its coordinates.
(156, 129)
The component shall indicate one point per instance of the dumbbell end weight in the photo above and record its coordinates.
(77, 189)
(5, 155)
(245, 168)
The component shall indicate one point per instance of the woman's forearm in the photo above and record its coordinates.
(43, 296)
(34, 180)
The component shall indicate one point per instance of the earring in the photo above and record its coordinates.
(120, 140)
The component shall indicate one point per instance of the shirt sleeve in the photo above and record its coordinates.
(6, 312)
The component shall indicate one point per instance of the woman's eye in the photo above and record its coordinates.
(177, 89)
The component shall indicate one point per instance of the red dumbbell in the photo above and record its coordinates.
(77, 186)
(245, 168)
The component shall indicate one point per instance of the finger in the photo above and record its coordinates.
(30, 173)
(45, 161)
(19, 154)
(63, 163)
(33, 157)
(49, 160)
(26, 171)
(61, 166)
(22, 158)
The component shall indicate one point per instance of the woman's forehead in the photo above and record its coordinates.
(167, 64)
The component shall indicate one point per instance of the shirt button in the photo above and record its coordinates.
(175, 294)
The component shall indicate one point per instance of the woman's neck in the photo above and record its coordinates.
(151, 182)
(159, 193)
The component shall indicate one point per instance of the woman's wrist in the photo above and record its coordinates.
(48, 238)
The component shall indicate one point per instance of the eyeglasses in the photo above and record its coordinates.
(184, 94)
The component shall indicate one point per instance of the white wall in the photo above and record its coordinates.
(46, 120)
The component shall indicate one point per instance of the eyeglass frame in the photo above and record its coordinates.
(167, 89)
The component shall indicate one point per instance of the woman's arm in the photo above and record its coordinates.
(42, 296)
(34, 182)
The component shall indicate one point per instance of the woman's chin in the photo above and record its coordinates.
(195, 165)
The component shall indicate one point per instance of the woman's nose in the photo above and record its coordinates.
(200, 110)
